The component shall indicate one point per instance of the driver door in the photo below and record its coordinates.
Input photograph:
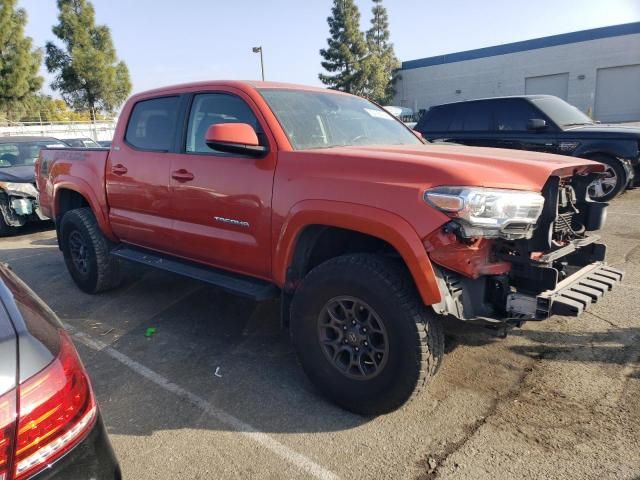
(221, 202)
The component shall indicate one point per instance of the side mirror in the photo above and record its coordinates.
(536, 124)
(238, 138)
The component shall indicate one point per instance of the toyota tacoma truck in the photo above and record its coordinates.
(368, 235)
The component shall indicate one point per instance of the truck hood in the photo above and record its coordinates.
(606, 130)
(19, 174)
(459, 165)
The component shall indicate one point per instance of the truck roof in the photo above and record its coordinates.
(484, 99)
(239, 84)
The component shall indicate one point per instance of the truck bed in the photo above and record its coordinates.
(81, 169)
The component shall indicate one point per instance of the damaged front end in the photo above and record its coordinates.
(538, 260)
(19, 203)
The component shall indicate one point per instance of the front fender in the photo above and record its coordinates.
(83, 188)
(620, 149)
(378, 223)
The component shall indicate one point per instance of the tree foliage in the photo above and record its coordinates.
(88, 73)
(19, 61)
(382, 63)
(347, 48)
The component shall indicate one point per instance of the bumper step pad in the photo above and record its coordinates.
(575, 294)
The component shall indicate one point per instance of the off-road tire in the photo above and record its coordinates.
(414, 331)
(621, 176)
(102, 270)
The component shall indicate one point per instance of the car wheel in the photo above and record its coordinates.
(5, 230)
(613, 182)
(363, 335)
(86, 252)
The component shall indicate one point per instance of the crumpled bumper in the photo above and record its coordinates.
(578, 292)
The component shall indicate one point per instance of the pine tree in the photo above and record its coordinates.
(382, 63)
(346, 49)
(19, 61)
(88, 73)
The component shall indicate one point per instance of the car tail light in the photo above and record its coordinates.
(56, 410)
(7, 430)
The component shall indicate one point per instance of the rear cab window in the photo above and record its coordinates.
(153, 123)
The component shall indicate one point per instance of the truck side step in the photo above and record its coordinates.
(253, 288)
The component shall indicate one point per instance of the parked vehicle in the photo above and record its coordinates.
(542, 123)
(367, 234)
(18, 194)
(50, 424)
(83, 142)
(104, 143)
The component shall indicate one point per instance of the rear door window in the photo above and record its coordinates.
(476, 117)
(152, 125)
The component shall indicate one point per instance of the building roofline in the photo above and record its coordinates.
(533, 44)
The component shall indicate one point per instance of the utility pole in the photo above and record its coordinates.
(259, 50)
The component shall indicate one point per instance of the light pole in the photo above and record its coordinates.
(259, 50)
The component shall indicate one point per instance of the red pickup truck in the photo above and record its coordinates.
(368, 234)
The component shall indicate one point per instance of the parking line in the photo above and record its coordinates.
(284, 452)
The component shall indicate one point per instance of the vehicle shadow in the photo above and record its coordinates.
(31, 228)
(617, 345)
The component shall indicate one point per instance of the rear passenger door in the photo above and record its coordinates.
(137, 174)
(474, 122)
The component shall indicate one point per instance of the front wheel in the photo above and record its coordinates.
(86, 252)
(363, 335)
(612, 183)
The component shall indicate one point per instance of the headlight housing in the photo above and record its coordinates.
(19, 189)
(489, 212)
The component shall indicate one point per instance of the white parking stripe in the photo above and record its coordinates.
(284, 452)
(618, 212)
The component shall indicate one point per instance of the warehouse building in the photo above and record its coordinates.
(596, 70)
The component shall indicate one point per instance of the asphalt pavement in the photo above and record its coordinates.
(216, 391)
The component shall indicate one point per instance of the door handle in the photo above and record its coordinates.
(119, 169)
(182, 175)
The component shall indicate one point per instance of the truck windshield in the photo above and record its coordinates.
(13, 154)
(325, 120)
(561, 112)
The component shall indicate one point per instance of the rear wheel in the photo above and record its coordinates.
(86, 252)
(363, 335)
(613, 182)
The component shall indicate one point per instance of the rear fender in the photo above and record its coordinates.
(378, 223)
(80, 186)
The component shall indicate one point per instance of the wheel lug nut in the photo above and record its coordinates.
(344, 328)
(364, 330)
(366, 344)
(357, 349)
(353, 322)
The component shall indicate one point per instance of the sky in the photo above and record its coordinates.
(166, 42)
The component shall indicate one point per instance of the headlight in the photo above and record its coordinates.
(489, 212)
(20, 189)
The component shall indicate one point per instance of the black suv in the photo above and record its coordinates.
(542, 123)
